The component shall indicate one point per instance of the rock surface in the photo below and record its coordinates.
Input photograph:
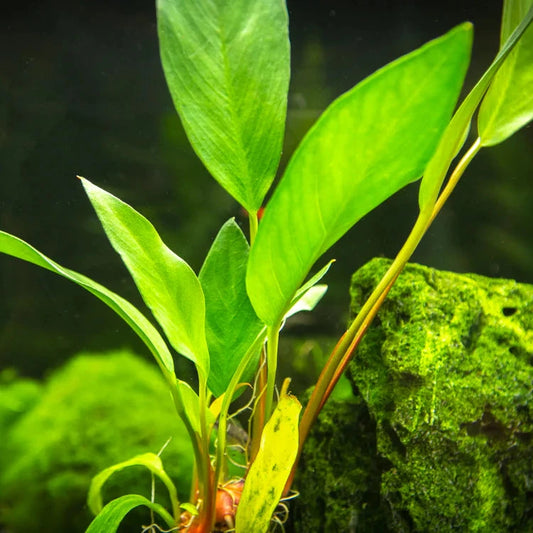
(439, 434)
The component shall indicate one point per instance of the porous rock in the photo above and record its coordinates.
(444, 382)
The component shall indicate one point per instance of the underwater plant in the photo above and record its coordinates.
(227, 68)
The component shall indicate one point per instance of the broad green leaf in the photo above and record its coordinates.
(114, 512)
(368, 144)
(508, 104)
(269, 472)
(166, 282)
(457, 129)
(227, 68)
(149, 460)
(131, 315)
(231, 323)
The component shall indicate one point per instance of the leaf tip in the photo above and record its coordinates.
(285, 387)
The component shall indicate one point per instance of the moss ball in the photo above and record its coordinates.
(96, 411)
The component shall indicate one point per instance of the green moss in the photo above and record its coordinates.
(98, 410)
(446, 375)
(17, 396)
(339, 491)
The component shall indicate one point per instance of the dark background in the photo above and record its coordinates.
(82, 92)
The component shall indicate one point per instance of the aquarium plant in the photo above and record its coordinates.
(227, 69)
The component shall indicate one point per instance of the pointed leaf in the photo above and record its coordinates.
(311, 282)
(190, 508)
(191, 406)
(231, 323)
(508, 104)
(269, 472)
(114, 512)
(131, 315)
(227, 68)
(166, 282)
(457, 129)
(368, 144)
(308, 300)
(149, 460)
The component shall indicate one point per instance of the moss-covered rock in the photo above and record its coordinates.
(446, 375)
(100, 409)
(338, 475)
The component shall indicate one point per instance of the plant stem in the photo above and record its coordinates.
(454, 178)
(259, 416)
(193, 435)
(344, 349)
(326, 381)
(206, 479)
(355, 342)
(272, 363)
(224, 409)
(259, 412)
(253, 224)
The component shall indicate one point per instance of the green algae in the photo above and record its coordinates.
(446, 375)
(17, 396)
(338, 475)
(96, 411)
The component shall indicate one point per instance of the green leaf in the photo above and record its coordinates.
(508, 104)
(311, 282)
(269, 472)
(191, 405)
(149, 460)
(227, 68)
(368, 144)
(231, 323)
(190, 508)
(114, 512)
(457, 129)
(308, 301)
(131, 315)
(167, 284)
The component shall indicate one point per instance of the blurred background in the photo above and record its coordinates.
(82, 92)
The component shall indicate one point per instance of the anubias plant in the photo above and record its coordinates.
(227, 68)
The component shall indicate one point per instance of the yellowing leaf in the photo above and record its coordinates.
(269, 472)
